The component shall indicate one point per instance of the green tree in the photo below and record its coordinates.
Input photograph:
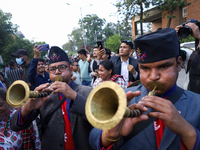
(7, 30)
(109, 30)
(130, 8)
(18, 43)
(125, 30)
(114, 42)
(170, 6)
(75, 39)
(188, 39)
(93, 26)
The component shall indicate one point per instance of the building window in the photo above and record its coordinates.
(184, 12)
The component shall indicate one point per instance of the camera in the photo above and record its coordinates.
(185, 31)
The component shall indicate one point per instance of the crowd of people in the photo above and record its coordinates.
(170, 119)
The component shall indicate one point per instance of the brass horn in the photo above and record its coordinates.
(106, 106)
(19, 92)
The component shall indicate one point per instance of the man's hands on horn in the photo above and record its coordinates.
(35, 103)
(126, 125)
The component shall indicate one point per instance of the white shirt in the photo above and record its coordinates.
(125, 72)
(77, 75)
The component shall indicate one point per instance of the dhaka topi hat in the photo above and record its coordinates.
(56, 54)
(156, 46)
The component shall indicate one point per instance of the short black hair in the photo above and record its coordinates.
(72, 62)
(108, 51)
(3, 92)
(82, 51)
(107, 65)
(12, 63)
(128, 42)
(41, 59)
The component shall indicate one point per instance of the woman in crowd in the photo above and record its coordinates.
(25, 139)
(106, 74)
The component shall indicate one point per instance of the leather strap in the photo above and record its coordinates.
(48, 117)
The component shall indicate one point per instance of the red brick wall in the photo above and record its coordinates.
(193, 10)
(156, 25)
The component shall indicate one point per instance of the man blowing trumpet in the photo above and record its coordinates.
(171, 117)
(68, 127)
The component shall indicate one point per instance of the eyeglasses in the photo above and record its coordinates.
(60, 68)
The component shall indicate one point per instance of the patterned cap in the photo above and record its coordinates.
(156, 46)
(56, 54)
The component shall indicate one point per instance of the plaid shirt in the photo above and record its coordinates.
(30, 137)
(30, 140)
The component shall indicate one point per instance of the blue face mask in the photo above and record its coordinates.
(19, 61)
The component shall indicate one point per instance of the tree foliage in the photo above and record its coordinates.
(93, 25)
(188, 39)
(114, 42)
(18, 43)
(75, 40)
(109, 30)
(7, 30)
(130, 8)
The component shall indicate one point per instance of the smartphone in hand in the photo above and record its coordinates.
(45, 47)
(100, 43)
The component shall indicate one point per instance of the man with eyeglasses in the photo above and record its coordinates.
(125, 65)
(37, 74)
(67, 128)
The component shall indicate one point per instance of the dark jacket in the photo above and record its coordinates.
(117, 66)
(146, 139)
(35, 78)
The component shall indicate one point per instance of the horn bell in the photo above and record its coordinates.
(17, 94)
(106, 105)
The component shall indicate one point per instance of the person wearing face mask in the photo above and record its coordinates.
(21, 57)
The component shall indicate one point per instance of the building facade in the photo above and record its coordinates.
(155, 16)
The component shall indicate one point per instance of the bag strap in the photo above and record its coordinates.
(48, 117)
(50, 114)
(174, 97)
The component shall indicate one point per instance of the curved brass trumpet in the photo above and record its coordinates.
(19, 92)
(106, 106)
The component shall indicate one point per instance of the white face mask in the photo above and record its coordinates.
(19, 61)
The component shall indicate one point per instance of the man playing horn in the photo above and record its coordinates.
(67, 128)
(175, 111)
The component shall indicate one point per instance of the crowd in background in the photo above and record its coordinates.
(81, 73)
